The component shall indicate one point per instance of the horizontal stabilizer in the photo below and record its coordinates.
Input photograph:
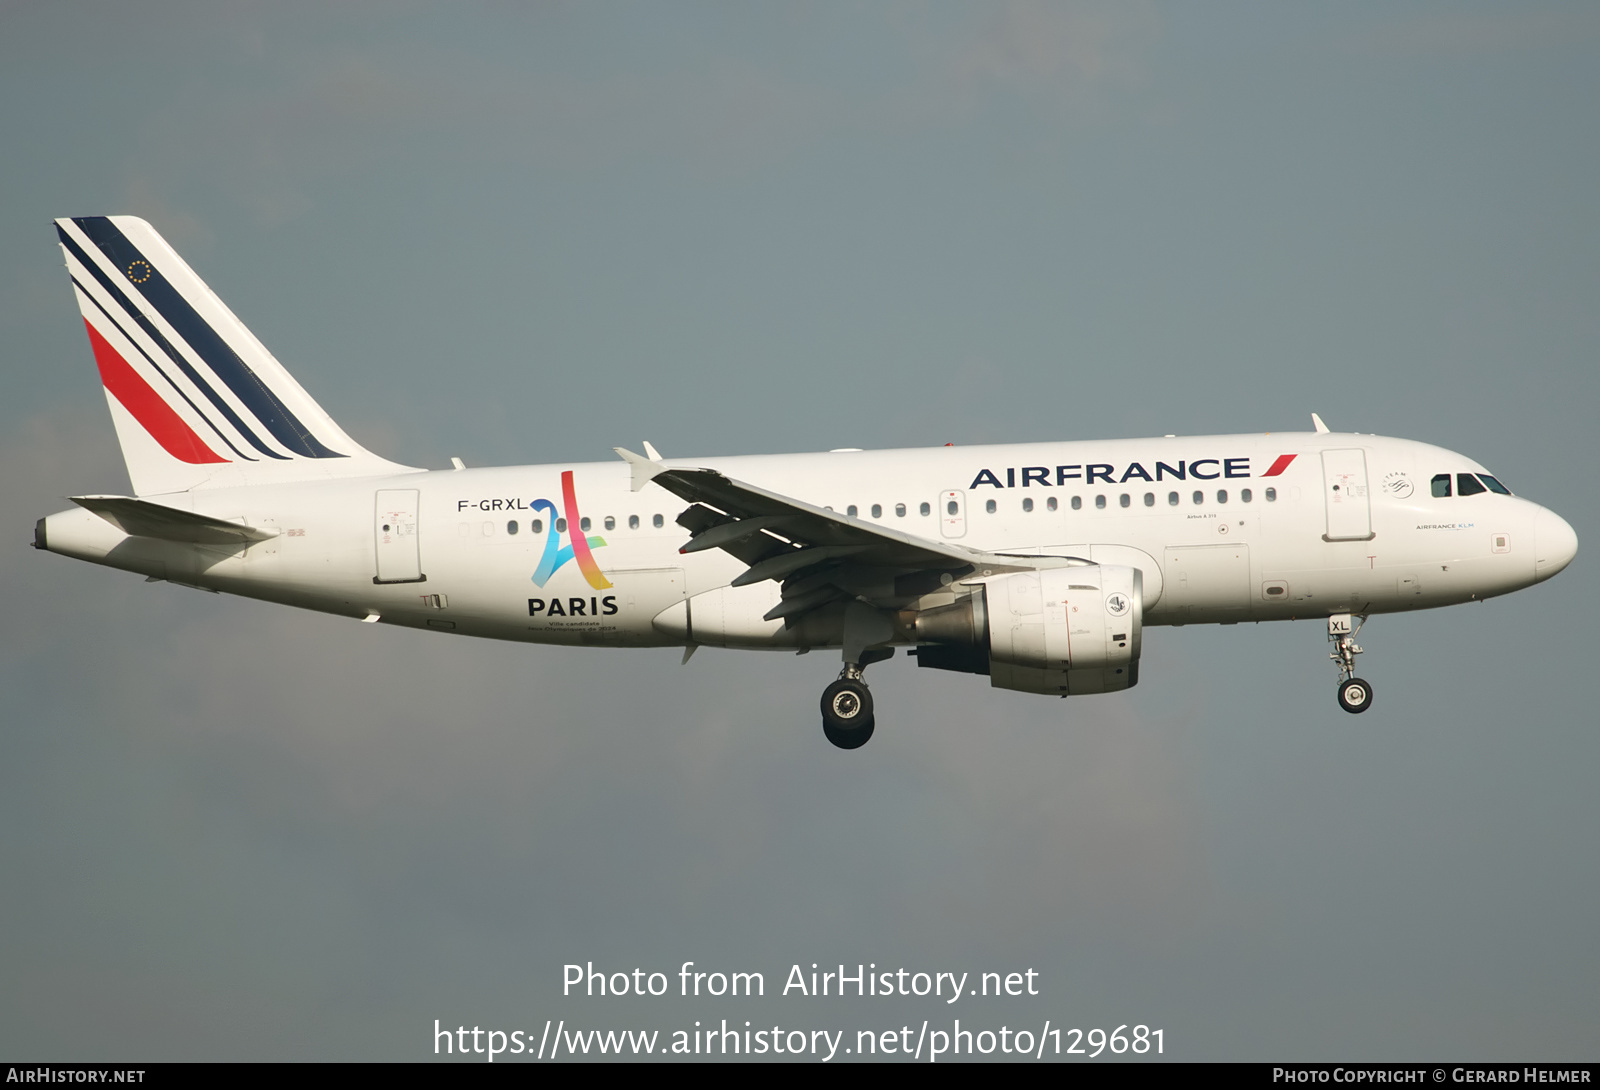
(141, 518)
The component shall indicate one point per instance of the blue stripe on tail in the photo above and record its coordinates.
(224, 362)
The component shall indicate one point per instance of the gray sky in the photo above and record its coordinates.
(527, 233)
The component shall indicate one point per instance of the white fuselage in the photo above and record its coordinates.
(1218, 539)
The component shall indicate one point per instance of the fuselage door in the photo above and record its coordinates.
(1344, 490)
(394, 527)
(953, 514)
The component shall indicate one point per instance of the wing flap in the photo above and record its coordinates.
(808, 525)
(792, 560)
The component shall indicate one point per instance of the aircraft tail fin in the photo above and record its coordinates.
(197, 401)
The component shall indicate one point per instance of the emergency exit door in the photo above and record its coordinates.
(953, 514)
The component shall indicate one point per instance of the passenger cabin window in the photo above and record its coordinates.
(1441, 486)
(952, 507)
(1172, 499)
(899, 510)
(851, 510)
(1222, 495)
(1099, 503)
(989, 506)
(511, 527)
(657, 521)
(1468, 485)
(561, 526)
(536, 526)
(1199, 498)
(1050, 504)
(1027, 504)
(925, 510)
(583, 524)
(611, 522)
(1149, 499)
(877, 510)
(1244, 495)
(633, 522)
(1125, 499)
(1272, 495)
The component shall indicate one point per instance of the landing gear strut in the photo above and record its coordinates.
(1355, 694)
(847, 703)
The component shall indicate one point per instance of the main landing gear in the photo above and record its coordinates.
(847, 710)
(847, 703)
(1355, 694)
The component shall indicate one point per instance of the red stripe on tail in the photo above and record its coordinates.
(155, 415)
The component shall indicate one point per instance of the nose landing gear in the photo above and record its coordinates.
(1355, 694)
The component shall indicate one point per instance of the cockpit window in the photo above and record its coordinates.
(1467, 485)
(1441, 486)
(1494, 485)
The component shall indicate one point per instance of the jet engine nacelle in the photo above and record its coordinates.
(1066, 630)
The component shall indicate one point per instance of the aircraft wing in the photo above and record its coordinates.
(818, 555)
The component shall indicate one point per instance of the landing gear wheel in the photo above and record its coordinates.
(1355, 696)
(847, 713)
(853, 738)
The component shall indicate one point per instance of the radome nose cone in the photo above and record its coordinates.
(1554, 543)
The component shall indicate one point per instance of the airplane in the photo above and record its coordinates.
(1037, 565)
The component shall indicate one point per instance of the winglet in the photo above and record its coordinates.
(644, 469)
(651, 452)
(1322, 429)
